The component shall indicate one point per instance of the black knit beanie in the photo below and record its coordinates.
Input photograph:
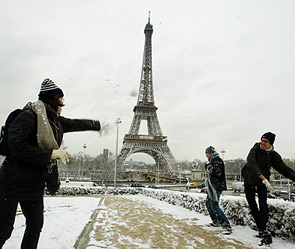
(49, 91)
(210, 150)
(270, 137)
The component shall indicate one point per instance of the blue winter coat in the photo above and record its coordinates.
(215, 169)
(259, 162)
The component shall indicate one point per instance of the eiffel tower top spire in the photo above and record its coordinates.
(148, 28)
(146, 94)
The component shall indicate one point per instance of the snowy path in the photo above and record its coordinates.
(127, 222)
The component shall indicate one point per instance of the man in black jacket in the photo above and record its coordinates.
(34, 140)
(256, 175)
(216, 183)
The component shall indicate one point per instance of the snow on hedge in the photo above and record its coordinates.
(97, 190)
(282, 213)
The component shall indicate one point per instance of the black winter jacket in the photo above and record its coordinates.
(216, 171)
(260, 161)
(23, 172)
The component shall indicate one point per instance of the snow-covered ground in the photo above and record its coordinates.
(65, 218)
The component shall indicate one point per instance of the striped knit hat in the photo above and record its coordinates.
(49, 90)
(210, 150)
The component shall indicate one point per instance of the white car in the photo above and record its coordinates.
(238, 186)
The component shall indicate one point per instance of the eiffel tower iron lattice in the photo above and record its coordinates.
(153, 144)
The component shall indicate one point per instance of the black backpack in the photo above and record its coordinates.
(4, 149)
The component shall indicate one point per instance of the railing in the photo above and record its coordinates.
(146, 137)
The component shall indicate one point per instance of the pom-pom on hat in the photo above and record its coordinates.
(49, 90)
(210, 150)
(270, 137)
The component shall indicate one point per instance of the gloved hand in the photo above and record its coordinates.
(268, 186)
(104, 129)
(61, 154)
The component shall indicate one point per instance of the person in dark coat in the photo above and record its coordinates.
(34, 140)
(216, 183)
(256, 174)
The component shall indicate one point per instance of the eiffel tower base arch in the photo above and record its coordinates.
(155, 147)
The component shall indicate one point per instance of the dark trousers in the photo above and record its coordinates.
(33, 212)
(215, 212)
(260, 215)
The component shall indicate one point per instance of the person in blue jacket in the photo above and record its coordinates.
(216, 183)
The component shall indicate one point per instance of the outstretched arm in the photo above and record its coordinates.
(71, 125)
(279, 165)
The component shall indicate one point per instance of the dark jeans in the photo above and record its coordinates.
(215, 212)
(33, 212)
(260, 215)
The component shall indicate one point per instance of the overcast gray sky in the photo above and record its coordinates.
(223, 71)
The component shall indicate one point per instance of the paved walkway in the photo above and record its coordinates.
(120, 222)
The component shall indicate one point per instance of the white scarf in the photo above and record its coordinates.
(271, 148)
(45, 135)
(211, 190)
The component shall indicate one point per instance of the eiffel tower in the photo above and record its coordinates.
(153, 144)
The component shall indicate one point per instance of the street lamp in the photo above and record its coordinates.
(222, 153)
(118, 121)
(80, 165)
(84, 146)
(83, 159)
(158, 170)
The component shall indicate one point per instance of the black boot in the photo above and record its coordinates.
(214, 224)
(259, 235)
(266, 240)
(226, 230)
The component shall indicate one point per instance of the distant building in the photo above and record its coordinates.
(133, 163)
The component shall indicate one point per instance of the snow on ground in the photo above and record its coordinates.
(65, 218)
